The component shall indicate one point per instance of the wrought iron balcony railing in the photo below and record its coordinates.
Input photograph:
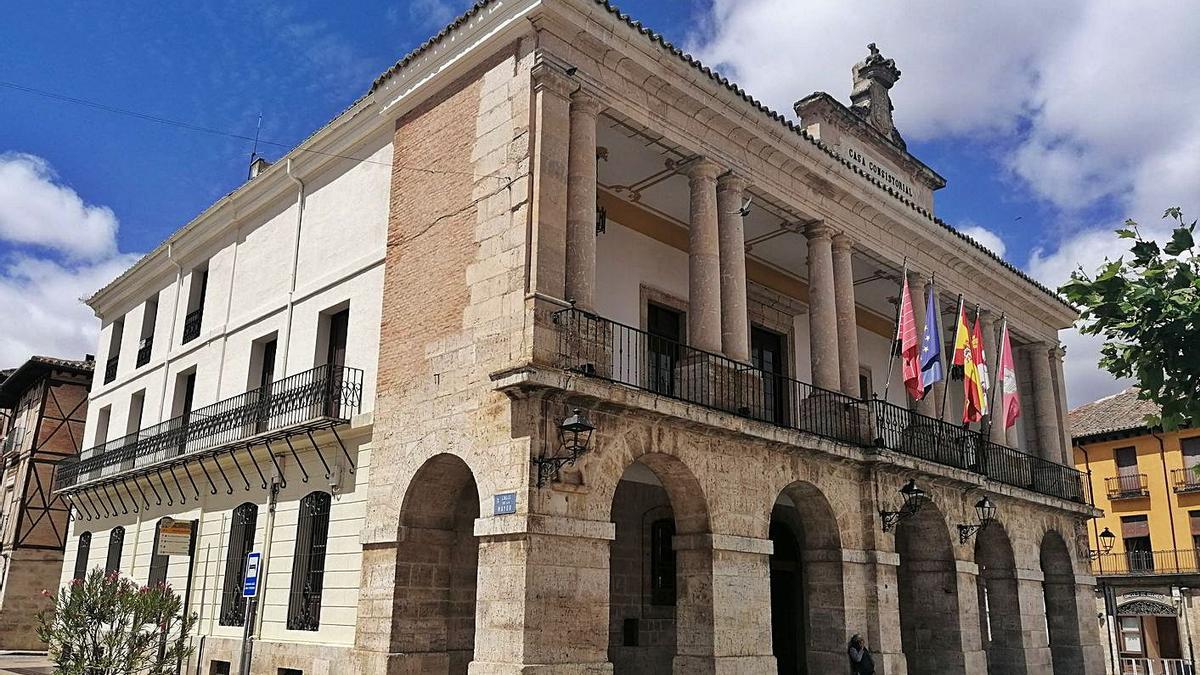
(601, 348)
(1186, 480)
(1127, 486)
(1133, 563)
(191, 324)
(143, 353)
(110, 370)
(323, 394)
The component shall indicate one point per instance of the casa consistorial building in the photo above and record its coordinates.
(614, 392)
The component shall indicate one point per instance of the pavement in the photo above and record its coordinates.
(24, 663)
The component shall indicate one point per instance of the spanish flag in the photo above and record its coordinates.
(962, 339)
(974, 376)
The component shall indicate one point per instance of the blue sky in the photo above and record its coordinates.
(991, 101)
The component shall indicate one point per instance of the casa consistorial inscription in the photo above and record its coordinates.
(876, 169)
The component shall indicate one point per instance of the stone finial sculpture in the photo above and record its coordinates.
(873, 77)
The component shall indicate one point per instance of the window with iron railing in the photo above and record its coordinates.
(145, 347)
(158, 563)
(241, 542)
(308, 563)
(191, 325)
(116, 541)
(1127, 486)
(110, 370)
(81, 555)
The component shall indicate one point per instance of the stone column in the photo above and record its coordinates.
(822, 308)
(704, 266)
(542, 599)
(581, 202)
(1057, 354)
(735, 324)
(1049, 439)
(916, 286)
(873, 608)
(847, 324)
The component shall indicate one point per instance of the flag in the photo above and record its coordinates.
(906, 335)
(1010, 401)
(962, 336)
(931, 344)
(974, 397)
(980, 354)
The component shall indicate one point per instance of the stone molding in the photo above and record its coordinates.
(555, 526)
(723, 542)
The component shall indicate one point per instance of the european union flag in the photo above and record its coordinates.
(931, 345)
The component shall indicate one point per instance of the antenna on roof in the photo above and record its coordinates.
(257, 164)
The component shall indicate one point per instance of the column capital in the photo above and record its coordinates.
(550, 78)
(703, 168)
(818, 229)
(842, 242)
(584, 102)
(1059, 351)
(730, 181)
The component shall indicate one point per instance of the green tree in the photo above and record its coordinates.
(1148, 311)
(106, 624)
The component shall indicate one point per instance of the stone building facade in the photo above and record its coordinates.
(46, 401)
(579, 216)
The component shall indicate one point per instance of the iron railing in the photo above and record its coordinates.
(1135, 563)
(1127, 486)
(110, 370)
(144, 348)
(191, 324)
(598, 347)
(1131, 665)
(1185, 480)
(325, 392)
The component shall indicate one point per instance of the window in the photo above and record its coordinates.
(1135, 531)
(195, 306)
(219, 668)
(158, 563)
(767, 354)
(146, 339)
(116, 541)
(114, 350)
(137, 407)
(662, 562)
(1131, 634)
(102, 421)
(241, 542)
(665, 327)
(308, 563)
(81, 555)
(1126, 461)
(866, 390)
(185, 394)
(1191, 452)
(262, 374)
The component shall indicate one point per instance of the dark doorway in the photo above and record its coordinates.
(665, 328)
(339, 327)
(767, 354)
(787, 601)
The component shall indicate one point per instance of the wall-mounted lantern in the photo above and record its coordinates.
(574, 436)
(985, 510)
(914, 498)
(1107, 539)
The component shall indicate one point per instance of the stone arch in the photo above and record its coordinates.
(1062, 610)
(930, 629)
(433, 605)
(808, 608)
(660, 568)
(1000, 615)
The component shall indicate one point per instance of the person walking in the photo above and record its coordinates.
(861, 662)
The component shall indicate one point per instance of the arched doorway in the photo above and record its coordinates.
(659, 578)
(1062, 612)
(807, 597)
(437, 556)
(999, 602)
(928, 582)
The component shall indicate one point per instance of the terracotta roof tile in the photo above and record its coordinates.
(1119, 412)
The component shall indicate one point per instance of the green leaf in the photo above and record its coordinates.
(1181, 241)
(1126, 234)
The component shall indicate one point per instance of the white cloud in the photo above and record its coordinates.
(984, 236)
(56, 250)
(35, 209)
(1090, 104)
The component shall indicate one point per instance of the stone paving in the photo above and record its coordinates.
(24, 663)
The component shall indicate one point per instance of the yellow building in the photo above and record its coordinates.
(1144, 543)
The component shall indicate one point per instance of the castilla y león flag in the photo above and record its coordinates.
(1010, 401)
(910, 362)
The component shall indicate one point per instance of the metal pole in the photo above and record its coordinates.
(247, 635)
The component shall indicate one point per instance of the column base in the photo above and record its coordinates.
(492, 668)
(724, 665)
(719, 383)
(939, 442)
(828, 414)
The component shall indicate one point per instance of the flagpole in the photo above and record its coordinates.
(949, 366)
(896, 333)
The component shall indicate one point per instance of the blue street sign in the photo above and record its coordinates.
(504, 503)
(250, 586)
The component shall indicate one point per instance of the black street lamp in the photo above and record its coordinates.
(914, 498)
(986, 511)
(1107, 539)
(574, 436)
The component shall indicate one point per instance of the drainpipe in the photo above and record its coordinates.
(162, 399)
(287, 329)
(1162, 455)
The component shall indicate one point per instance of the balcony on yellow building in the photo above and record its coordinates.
(1127, 486)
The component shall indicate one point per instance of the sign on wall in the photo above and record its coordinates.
(250, 585)
(175, 537)
(504, 503)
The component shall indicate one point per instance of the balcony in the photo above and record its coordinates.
(1185, 480)
(322, 397)
(1145, 563)
(143, 352)
(191, 324)
(597, 347)
(1143, 666)
(110, 370)
(1127, 486)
